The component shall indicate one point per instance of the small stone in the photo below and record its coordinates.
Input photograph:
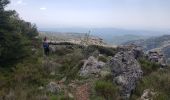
(52, 73)
(53, 87)
(70, 96)
(147, 94)
(62, 80)
(104, 73)
(41, 88)
(72, 85)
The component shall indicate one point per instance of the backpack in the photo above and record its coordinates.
(45, 45)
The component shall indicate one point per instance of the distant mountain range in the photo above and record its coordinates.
(119, 37)
(160, 43)
(117, 40)
(110, 35)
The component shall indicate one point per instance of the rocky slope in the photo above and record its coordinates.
(160, 44)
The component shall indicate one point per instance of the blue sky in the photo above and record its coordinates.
(128, 14)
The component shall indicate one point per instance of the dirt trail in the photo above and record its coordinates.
(82, 92)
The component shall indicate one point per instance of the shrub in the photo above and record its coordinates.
(96, 98)
(108, 77)
(159, 81)
(71, 64)
(15, 36)
(60, 97)
(102, 50)
(161, 96)
(106, 89)
(102, 58)
(148, 66)
(61, 51)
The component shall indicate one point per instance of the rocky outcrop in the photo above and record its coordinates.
(137, 51)
(148, 94)
(126, 71)
(91, 66)
(156, 57)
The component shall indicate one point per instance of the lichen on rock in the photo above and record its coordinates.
(126, 71)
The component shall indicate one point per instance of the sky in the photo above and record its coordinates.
(127, 14)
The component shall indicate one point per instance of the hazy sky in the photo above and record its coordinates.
(133, 14)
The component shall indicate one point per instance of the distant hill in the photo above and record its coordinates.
(113, 36)
(161, 43)
(117, 40)
(152, 43)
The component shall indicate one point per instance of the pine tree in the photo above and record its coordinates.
(15, 36)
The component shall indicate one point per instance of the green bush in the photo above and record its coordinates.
(102, 58)
(88, 51)
(147, 66)
(108, 77)
(60, 97)
(96, 98)
(159, 81)
(71, 64)
(15, 36)
(53, 97)
(106, 89)
(61, 51)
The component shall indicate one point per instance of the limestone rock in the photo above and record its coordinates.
(70, 95)
(126, 71)
(91, 66)
(147, 95)
(137, 51)
(104, 73)
(40, 88)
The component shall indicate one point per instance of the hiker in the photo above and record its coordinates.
(46, 47)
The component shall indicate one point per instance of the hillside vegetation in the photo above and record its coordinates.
(16, 36)
(72, 71)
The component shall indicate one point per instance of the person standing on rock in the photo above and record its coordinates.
(46, 47)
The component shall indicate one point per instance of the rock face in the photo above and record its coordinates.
(136, 50)
(126, 71)
(91, 66)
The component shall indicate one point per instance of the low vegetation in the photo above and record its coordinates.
(155, 79)
(106, 89)
(147, 66)
(25, 72)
